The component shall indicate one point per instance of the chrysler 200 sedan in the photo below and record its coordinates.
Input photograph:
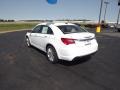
(62, 41)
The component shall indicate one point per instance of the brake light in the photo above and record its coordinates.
(68, 41)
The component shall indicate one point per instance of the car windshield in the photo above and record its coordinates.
(66, 29)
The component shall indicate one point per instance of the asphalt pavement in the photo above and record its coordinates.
(23, 68)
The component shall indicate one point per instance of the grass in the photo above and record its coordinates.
(16, 26)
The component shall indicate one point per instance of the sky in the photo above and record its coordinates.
(64, 9)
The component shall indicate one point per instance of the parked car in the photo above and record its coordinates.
(62, 41)
(118, 27)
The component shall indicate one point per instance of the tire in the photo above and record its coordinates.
(118, 30)
(52, 54)
(28, 42)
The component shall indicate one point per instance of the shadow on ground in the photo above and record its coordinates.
(76, 61)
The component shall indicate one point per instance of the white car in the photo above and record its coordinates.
(62, 41)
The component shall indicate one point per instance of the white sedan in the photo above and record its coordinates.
(62, 41)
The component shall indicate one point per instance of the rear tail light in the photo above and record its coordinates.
(68, 41)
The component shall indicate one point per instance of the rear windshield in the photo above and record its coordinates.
(66, 29)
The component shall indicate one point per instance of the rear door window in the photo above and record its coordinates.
(46, 30)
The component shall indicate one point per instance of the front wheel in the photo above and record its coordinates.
(28, 42)
(52, 54)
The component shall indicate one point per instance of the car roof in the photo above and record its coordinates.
(55, 24)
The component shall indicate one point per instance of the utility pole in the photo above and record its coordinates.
(118, 17)
(100, 12)
(98, 28)
(118, 12)
(106, 4)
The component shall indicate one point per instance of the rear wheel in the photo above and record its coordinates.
(52, 54)
(28, 42)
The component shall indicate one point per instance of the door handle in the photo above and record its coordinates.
(45, 36)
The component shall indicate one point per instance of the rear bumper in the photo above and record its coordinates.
(70, 53)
